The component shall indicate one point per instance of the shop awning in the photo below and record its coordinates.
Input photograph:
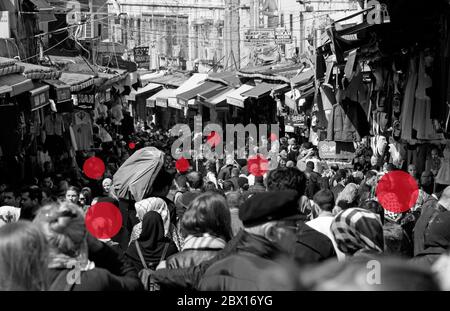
(162, 99)
(302, 78)
(261, 90)
(5, 89)
(17, 82)
(77, 81)
(234, 97)
(199, 90)
(214, 97)
(191, 83)
(146, 78)
(37, 72)
(144, 91)
(6, 70)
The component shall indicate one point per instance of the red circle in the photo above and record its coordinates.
(213, 139)
(273, 137)
(182, 165)
(103, 220)
(94, 168)
(131, 145)
(257, 165)
(397, 192)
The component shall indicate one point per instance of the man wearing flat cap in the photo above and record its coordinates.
(270, 224)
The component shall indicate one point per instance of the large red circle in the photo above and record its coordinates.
(131, 145)
(257, 165)
(94, 168)
(103, 220)
(182, 165)
(397, 192)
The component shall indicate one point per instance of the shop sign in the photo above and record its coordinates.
(161, 102)
(296, 120)
(142, 56)
(4, 25)
(173, 102)
(86, 100)
(283, 36)
(327, 149)
(260, 37)
(39, 100)
(63, 94)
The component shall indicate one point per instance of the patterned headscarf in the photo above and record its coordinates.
(151, 204)
(357, 229)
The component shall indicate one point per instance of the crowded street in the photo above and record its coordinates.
(240, 148)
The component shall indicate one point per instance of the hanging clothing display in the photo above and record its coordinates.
(54, 124)
(81, 131)
(443, 176)
(422, 122)
(408, 102)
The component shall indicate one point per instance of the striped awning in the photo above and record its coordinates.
(18, 83)
(77, 81)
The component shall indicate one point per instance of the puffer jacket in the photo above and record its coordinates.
(191, 257)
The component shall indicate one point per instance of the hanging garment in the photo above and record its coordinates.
(443, 176)
(408, 102)
(422, 122)
(347, 122)
(82, 134)
(54, 125)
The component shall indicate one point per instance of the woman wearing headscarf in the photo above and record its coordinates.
(77, 261)
(358, 232)
(152, 243)
(160, 206)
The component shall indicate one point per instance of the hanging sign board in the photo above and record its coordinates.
(142, 56)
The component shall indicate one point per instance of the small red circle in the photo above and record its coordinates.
(182, 165)
(273, 137)
(213, 139)
(257, 165)
(103, 220)
(397, 192)
(131, 145)
(94, 168)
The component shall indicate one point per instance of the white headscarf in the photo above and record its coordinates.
(157, 205)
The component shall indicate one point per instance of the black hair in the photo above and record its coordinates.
(287, 178)
(325, 200)
(34, 193)
(195, 180)
(209, 186)
(228, 186)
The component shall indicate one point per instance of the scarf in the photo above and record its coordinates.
(151, 240)
(204, 241)
(152, 204)
(358, 229)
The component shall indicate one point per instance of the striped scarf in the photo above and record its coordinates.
(204, 241)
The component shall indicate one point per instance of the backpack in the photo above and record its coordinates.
(146, 274)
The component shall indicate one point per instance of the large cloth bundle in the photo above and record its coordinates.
(135, 177)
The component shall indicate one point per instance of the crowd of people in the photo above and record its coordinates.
(305, 225)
